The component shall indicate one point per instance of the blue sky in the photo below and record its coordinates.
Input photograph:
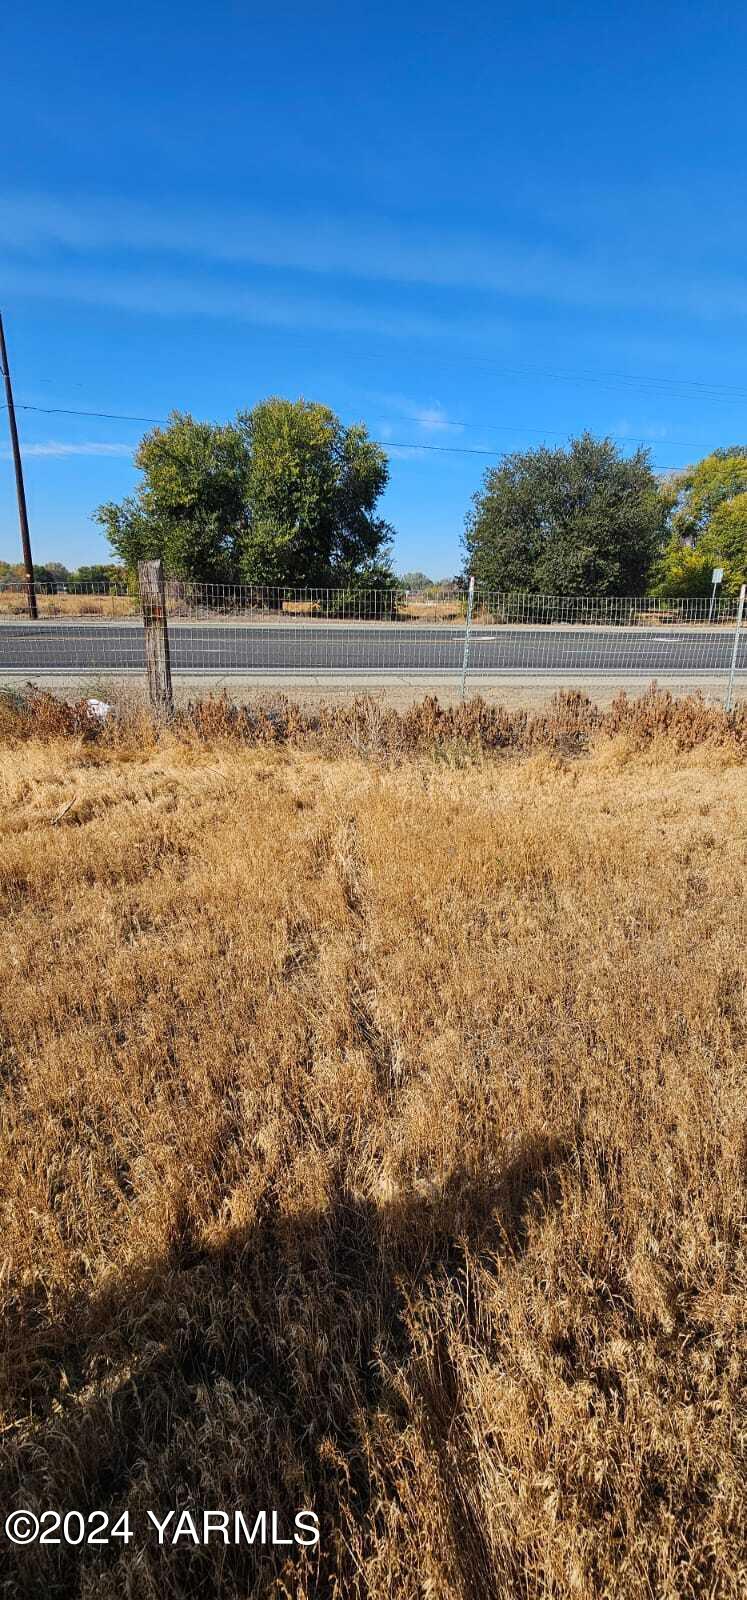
(474, 228)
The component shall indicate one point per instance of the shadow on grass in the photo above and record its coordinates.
(286, 1369)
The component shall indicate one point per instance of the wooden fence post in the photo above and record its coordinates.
(157, 658)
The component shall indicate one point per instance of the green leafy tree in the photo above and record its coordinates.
(101, 572)
(286, 495)
(681, 570)
(312, 489)
(724, 541)
(584, 520)
(190, 508)
(702, 488)
(414, 580)
(51, 573)
(57, 572)
(709, 527)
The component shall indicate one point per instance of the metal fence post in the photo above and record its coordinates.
(467, 632)
(728, 706)
(156, 636)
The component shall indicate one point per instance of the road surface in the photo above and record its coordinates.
(348, 649)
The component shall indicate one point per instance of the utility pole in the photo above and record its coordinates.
(20, 491)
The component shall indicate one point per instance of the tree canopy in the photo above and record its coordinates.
(101, 572)
(709, 527)
(284, 495)
(190, 508)
(581, 520)
(45, 572)
(57, 576)
(705, 486)
(414, 580)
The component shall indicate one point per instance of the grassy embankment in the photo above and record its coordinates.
(373, 1140)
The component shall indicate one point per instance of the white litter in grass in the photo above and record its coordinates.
(100, 709)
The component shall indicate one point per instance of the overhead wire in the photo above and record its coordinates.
(394, 444)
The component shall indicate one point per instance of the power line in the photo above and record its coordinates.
(644, 383)
(442, 449)
(394, 444)
(554, 433)
(473, 450)
(651, 383)
(108, 416)
(648, 382)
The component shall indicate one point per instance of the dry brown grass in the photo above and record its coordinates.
(14, 604)
(367, 726)
(301, 608)
(432, 610)
(373, 1139)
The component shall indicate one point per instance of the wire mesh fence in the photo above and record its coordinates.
(208, 601)
(220, 629)
(343, 632)
(83, 630)
(223, 630)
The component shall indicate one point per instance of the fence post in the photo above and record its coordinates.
(737, 630)
(156, 637)
(467, 632)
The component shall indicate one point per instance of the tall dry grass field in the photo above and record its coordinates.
(373, 1141)
(432, 610)
(15, 604)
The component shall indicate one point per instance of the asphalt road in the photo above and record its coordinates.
(348, 649)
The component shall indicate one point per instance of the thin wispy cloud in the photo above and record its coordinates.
(386, 430)
(427, 419)
(433, 419)
(58, 448)
(188, 296)
(375, 249)
(650, 431)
